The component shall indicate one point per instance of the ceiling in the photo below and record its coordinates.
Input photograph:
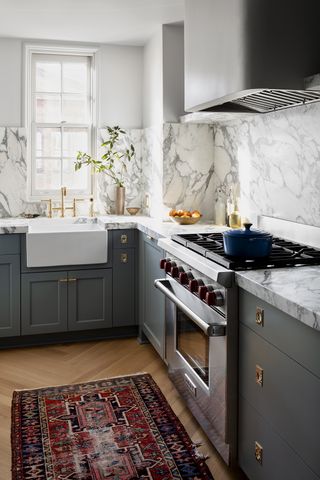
(126, 22)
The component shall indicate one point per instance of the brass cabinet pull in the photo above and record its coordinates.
(258, 452)
(62, 280)
(72, 279)
(259, 376)
(260, 316)
(124, 258)
(124, 238)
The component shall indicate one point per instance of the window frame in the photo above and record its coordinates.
(30, 50)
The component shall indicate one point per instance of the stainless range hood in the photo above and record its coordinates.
(250, 55)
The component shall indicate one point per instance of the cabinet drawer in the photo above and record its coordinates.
(292, 337)
(124, 238)
(279, 461)
(9, 244)
(288, 398)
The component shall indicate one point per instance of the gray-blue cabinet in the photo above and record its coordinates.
(9, 295)
(44, 302)
(279, 390)
(124, 287)
(89, 299)
(66, 300)
(151, 301)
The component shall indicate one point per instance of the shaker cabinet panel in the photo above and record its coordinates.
(277, 461)
(89, 299)
(9, 295)
(152, 300)
(44, 302)
(283, 392)
(124, 287)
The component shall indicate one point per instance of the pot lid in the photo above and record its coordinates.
(246, 232)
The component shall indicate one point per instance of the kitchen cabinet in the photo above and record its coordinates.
(124, 287)
(9, 285)
(9, 295)
(151, 301)
(279, 388)
(66, 300)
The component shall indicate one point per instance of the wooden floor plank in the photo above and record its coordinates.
(35, 367)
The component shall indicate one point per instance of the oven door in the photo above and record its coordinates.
(196, 357)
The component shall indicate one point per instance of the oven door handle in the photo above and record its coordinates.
(211, 330)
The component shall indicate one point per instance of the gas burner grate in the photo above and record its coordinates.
(284, 252)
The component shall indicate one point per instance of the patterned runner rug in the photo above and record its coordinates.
(119, 428)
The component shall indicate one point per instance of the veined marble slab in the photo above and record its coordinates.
(295, 291)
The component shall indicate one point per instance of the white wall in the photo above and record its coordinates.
(121, 86)
(10, 82)
(173, 72)
(120, 83)
(152, 81)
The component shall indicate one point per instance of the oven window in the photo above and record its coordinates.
(193, 344)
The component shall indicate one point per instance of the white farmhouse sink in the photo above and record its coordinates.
(52, 242)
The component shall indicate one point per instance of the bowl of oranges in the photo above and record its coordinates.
(185, 217)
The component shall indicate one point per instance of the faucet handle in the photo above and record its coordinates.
(74, 207)
(49, 201)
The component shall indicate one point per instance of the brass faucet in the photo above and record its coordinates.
(62, 207)
(63, 194)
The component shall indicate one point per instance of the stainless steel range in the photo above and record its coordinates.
(201, 347)
(202, 325)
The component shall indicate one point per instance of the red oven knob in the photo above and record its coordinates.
(163, 262)
(214, 297)
(175, 272)
(168, 267)
(183, 278)
(193, 285)
(202, 291)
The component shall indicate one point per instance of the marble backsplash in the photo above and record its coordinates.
(275, 158)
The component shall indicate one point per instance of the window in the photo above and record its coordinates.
(60, 108)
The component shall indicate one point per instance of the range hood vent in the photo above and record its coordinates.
(263, 101)
(250, 55)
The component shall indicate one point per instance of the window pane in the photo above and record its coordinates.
(48, 109)
(75, 77)
(47, 174)
(48, 142)
(75, 180)
(48, 77)
(74, 139)
(74, 109)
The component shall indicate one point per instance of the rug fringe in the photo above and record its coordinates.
(83, 381)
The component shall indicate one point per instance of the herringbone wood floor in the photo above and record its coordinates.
(72, 363)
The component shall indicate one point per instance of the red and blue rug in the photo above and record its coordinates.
(119, 428)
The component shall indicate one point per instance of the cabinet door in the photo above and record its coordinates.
(89, 299)
(124, 285)
(44, 299)
(153, 321)
(9, 295)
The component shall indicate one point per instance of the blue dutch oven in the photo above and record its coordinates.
(247, 243)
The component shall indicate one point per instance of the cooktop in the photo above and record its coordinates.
(284, 252)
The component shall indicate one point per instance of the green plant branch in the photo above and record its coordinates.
(114, 157)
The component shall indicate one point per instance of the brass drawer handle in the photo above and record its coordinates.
(259, 376)
(260, 316)
(124, 258)
(63, 280)
(258, 452)
(72, 279)
(124, 238)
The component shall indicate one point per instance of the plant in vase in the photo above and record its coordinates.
(118, 151)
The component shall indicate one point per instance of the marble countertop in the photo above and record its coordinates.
(296, 291)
